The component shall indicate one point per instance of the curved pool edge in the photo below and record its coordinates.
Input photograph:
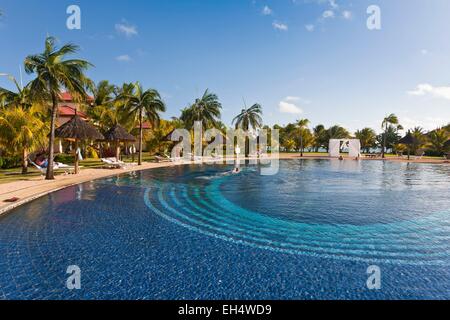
(64, 182)
(88, 175)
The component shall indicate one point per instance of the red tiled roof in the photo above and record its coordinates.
(145, 126)
(67, 97)
(66, 111)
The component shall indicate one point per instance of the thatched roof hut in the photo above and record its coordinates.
(118, 133)
(408, 139)
(78, 129)
(447, 144)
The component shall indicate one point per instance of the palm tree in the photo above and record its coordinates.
(54, 73)
(389, 120)
(21, 98)
(206, 109)
(302, 124)
(141, 103)
(419, 139)
(337, 132)
(249, 117)
(437, 140)
(319, 134)
(21, 130)
(105, 112)
(367, 137)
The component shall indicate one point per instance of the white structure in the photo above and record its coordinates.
(353, 145)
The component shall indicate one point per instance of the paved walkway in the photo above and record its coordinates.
(35, 188)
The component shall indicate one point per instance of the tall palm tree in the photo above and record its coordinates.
(249, 117)
(367, 137)
(104, 112)
(387, 121)
(21, 98)
(337, 132)
(302, 124)
(206, 109)
(419, 139)
(319, 134)
(141, 104)
(21, 130)
(53, 73)
(437, 140)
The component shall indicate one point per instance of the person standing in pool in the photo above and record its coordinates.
(236, 169)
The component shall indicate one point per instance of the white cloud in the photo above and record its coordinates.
(289, 107)
(328, 14)
(310, 27)
(333, 4)
(126, 29)
(347, 15)
(280, 26)
(297, 99)
(292, 98)
(267, 11)
(123, 58)
(427, 123)
(427, 89)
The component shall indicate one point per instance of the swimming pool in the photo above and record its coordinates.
(194, 232)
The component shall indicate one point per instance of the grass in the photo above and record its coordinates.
(12, 175)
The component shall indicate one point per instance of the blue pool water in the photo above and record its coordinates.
(195, 232)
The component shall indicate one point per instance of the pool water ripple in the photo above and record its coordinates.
(420, 241)
(194, 232)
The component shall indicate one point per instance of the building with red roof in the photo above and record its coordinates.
(67, 108)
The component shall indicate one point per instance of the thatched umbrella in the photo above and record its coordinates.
(447, 144)
(447, 148)
(78, 129)
(408, 140)
(118, 134)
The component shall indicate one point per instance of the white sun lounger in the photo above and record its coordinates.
(114, 163)
(56, 166)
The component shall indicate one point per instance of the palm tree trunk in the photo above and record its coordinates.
(247, 147)
(24, 161)
(50, 175)
(77, 167)
(140, 138)
(117, 150)
(301, 145)
(384, 143)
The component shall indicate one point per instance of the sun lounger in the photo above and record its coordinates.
(114, 163)
(175, 159)
(56, 166)
(162, 159)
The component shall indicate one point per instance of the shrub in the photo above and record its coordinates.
(64, 158)
(10, 162)
(91, 153)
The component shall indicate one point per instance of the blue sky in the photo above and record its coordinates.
(312, 59)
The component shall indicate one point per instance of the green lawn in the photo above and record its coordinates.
(10, 175)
